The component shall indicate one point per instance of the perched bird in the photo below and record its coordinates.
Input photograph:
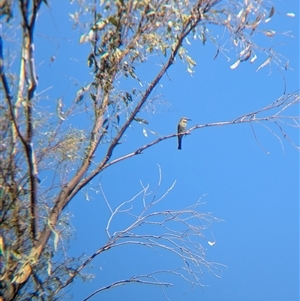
(181, 128)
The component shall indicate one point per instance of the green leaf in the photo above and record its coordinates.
(128, 96)
(140, 120)
(113, 21)
(79, 98)
(90, 60)
(93, 96)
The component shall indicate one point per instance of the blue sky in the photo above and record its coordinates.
(251, 184)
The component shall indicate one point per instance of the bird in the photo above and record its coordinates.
(181, 128)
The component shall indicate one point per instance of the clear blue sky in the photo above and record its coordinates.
(253, 187)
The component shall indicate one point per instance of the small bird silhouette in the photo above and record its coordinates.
(181, 128)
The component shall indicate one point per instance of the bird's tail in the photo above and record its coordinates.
(179, 142)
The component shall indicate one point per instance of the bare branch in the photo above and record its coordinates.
(284, 102)
(135, 279)
(180, 232)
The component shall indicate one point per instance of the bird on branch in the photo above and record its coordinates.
(181, 128)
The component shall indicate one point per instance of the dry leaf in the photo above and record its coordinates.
(235, 64)
(269, 33)
(145, 133)
(264, 64)
(253, 59)
(292, 15)
(270, 14)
